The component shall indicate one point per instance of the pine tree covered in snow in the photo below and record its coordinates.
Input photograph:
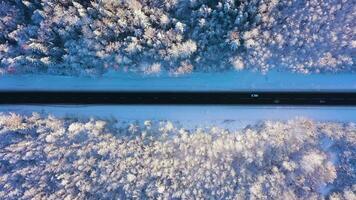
(90, 37)
(44, 157)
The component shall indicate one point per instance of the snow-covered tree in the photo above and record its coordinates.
(85, 37)
(45, 157)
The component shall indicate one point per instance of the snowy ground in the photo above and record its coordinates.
(183, 152)
(227, 116)
(225, 81)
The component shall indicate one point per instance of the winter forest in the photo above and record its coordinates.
(79, 152)
(91, 37)
(47, 157)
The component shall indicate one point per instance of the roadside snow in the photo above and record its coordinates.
(196, 115)
(225, 81)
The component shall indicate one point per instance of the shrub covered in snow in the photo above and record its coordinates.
(89, 37)
(67, 158)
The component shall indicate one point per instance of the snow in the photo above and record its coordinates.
(116, 151)
(224, 81)
(179, 152)
(131, 177)
(93, 158)
(311, 161)
(231, 117)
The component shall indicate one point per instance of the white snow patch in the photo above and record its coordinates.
(224, 81)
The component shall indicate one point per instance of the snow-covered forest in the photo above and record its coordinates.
(152, 153)
(48, 157)
(91, 37)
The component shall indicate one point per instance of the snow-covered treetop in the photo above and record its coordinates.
(90, 37)
(44, 157)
